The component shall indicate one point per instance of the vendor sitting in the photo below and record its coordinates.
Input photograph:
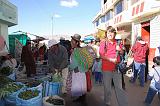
(8, 61)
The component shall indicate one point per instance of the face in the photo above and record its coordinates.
(54, 47)
(111, 35)
(73, 43)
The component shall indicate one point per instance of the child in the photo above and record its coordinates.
(154, 75)
(97, 70)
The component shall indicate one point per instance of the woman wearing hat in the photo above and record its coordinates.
(76, 81)
(58, 60)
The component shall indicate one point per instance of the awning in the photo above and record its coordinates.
(122, 35)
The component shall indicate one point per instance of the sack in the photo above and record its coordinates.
(83, 58)
(157, 85)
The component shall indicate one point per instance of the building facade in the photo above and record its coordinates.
(8, 18)
(140, 17)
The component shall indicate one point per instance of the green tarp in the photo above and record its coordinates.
(20, 36)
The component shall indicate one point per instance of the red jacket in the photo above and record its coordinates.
(139, 50)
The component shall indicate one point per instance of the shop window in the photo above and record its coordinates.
(119, 7)
(105, 1)
(134, 1)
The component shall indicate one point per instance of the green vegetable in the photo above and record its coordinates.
(34, 83)
(6, 71)
(56, 78)
(9, 88)
(28, 94)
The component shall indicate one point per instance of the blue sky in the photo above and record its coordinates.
(69, 16)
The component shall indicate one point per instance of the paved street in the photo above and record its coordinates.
(135, 93)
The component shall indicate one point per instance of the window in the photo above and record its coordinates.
(97, 22)
(102, 19)
(105, 1)
(134, 1)
(108, 16)
(118, 7)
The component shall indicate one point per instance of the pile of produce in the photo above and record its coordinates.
(28, 94)
(55, 101)
(33, 83)
(6, 71)
(9, 88)
(56, 77)
(4, 80)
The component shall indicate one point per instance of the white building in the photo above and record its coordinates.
(140, 17)
(8, 17)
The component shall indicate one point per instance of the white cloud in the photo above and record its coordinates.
(57, 16)
(69, 3)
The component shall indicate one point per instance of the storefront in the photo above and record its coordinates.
(146, 23)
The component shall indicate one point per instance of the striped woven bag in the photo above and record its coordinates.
(84, 58)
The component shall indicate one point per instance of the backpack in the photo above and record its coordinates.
(157, 83)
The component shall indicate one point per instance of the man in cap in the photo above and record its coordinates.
(58, 60)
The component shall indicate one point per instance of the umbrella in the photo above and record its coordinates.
(122, 35)
(89, 38)
(2, 43)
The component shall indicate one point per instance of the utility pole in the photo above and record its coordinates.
(52, 26)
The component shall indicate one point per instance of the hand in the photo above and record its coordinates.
(114, 60)
(60, 72)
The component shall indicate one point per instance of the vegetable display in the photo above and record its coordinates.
(28, 94)
(6, 71)
(55, 101)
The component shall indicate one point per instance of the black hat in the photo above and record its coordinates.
(76, 37)
(156, 60)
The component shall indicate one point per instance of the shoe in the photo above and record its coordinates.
(77, 99)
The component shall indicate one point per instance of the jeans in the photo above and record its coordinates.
(150, 95)
(139, 69)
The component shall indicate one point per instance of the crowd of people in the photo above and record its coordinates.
(109, 54)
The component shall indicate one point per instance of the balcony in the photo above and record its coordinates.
(8, 13)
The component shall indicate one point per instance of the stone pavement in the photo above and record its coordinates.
(135, 94)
